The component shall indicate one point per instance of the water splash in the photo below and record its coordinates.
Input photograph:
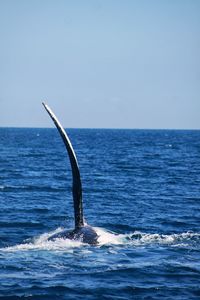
(175, 239)
(138, 238)
(135, 239)
(41, 243)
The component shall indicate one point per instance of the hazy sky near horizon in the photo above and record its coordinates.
(107, 64)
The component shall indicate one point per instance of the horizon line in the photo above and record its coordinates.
(99, 128)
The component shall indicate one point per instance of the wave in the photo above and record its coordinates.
(107, 238)
(23, 224)
(138, 238)
(15, 188)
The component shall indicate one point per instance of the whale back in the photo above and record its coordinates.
(85, 234)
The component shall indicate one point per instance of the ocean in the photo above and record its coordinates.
(141, 191)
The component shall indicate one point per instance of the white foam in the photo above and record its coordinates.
(108, 237)
(138, 238)
(168, 239)
(41, 243)
(135, 239)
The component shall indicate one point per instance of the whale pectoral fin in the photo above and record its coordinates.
(77, 186)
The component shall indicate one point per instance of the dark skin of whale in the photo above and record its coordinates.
(82, 231)
(85, 234)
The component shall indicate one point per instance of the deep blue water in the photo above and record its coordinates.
(141, 189)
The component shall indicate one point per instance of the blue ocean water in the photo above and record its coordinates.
(141, 192)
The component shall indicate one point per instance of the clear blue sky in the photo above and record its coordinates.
(108, 63)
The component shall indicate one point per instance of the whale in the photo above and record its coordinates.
(81, 231)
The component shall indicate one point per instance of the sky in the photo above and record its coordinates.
(100, 63)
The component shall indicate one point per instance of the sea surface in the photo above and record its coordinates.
(141, 191)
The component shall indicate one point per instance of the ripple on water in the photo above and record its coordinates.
(141, 185)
